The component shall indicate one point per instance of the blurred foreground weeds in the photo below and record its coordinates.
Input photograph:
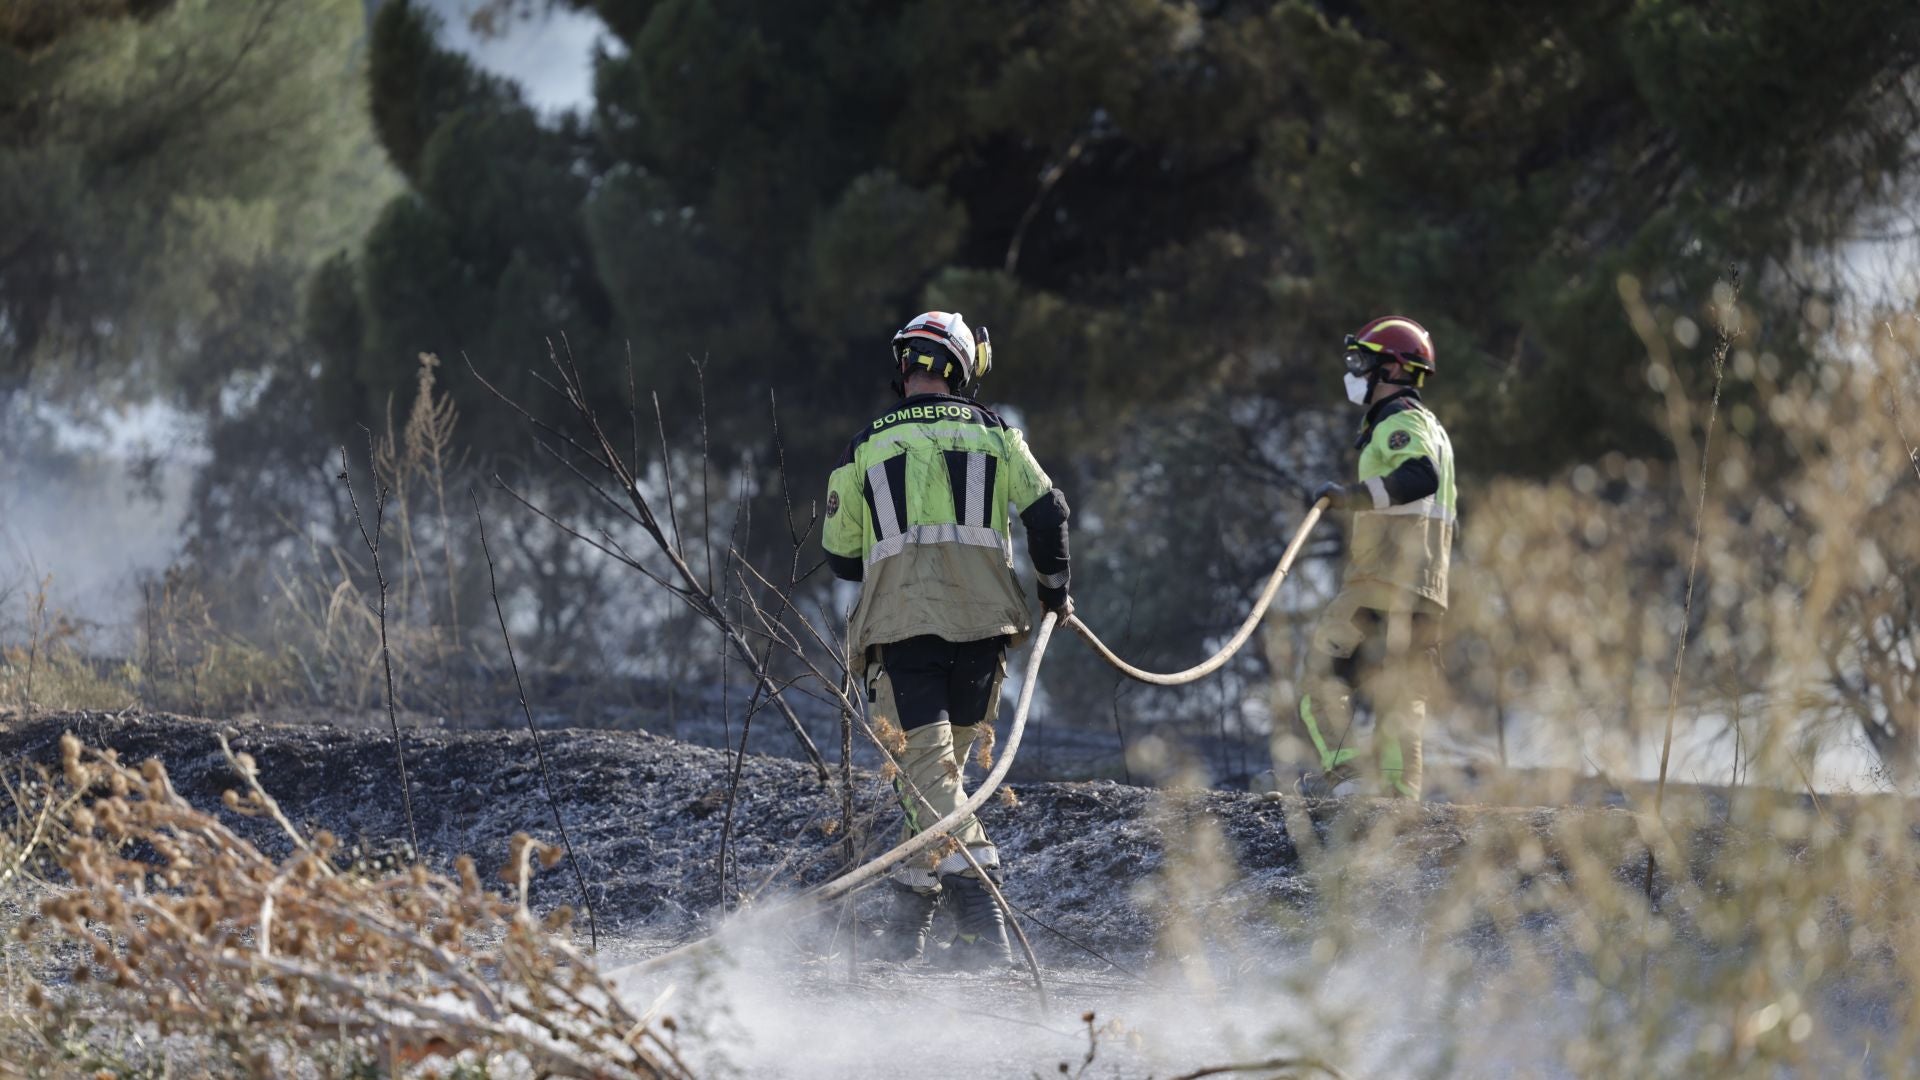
(148, 935)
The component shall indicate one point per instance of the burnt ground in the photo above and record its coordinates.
(645, 814)
(1153, 881)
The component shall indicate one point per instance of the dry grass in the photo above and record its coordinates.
(1772, 932)
(174, 929)
(316, 641)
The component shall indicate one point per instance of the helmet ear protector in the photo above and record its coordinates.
(913, 348)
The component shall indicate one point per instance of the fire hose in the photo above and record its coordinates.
(1240, 636)
(937, 832)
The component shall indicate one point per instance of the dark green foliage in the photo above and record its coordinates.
(414, 84)
(1495, 176)
(1134, 195)
(1741, 85)
(770, 189)
(418, 295)
(168, 173)
(1168, 214)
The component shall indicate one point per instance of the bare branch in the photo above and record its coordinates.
(386, 653)
(533, 732)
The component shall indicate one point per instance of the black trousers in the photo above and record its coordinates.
(935, 679)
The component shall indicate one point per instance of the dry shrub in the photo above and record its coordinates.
(62, 676)
(316, 640)
(326, 613)
(1771, 947)
(893, 740)
(1805, 617)
(181, 658)
(188, 661)
(188, 930)
(33, 819)
(35, 813)
(47, 659)
(984, 741)
(1730, 936)
(1759, 930)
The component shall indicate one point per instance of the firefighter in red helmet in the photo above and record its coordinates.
(1378, 640)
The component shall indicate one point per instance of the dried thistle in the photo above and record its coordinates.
(894, 739)
(187, 927)
(983, 743)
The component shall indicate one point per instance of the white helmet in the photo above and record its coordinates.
(961, 359)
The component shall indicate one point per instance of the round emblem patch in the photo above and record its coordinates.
(833, 503)
(1396, 441)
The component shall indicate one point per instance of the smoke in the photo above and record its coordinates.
(1347, 973)
(88, 511)
(760, 1007)
(1380, 940)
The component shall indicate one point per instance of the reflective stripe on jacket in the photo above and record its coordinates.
(917, 511)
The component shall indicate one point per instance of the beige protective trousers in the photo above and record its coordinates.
(1385, 651)
(935, 760)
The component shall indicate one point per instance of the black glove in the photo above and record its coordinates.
(1338, 496)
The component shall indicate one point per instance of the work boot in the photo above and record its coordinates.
(1336, 783)
(903, 934)
(982, 938)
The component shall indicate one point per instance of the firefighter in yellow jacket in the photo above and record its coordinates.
(918, 513)
(1379, 638)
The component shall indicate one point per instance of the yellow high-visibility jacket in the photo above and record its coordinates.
(917, 511)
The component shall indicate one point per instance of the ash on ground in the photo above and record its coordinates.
(1199, 928)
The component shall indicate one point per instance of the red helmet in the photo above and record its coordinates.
(1391, 337)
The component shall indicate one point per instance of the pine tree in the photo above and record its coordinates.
(1142, 199)
(162, 162)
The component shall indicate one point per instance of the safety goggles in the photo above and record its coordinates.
(1361, 357)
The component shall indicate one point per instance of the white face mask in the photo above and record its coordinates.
(1357, 388)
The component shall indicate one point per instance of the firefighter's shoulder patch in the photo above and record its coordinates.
(1396, 441)
(833, 503)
